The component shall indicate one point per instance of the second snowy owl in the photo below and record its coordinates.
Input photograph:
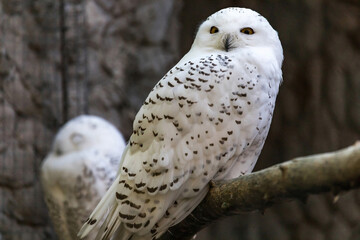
(79, 169)
(206, 119)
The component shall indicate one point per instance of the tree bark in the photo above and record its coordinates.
(295, 179)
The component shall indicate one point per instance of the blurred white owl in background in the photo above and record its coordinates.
(81, 166)
(206, 119)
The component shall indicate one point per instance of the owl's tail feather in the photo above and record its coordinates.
(100, 211)
(122, 233)
(175, 214)
(110, 225)
(113, 226)
(180, 212)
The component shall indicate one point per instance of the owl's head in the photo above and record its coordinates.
(236, 29)
(86, 132)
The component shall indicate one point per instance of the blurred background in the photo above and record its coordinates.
(59, 59)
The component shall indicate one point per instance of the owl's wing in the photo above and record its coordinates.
(192, 128)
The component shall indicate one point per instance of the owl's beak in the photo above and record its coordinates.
(228, 42)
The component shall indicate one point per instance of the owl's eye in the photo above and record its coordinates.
(247, 31)
(213, 30)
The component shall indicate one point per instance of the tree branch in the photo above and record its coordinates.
(294, 179)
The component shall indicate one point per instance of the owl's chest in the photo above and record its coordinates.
(243, 90)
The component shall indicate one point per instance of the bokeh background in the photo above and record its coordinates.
(59, 59)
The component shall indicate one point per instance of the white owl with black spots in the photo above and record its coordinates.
(81, 166)
(206, 119)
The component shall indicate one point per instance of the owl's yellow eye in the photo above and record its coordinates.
(247, 31)
(213, 30)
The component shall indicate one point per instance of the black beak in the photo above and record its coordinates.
(228, 43)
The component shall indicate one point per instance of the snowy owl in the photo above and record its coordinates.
(79, 169)
(206, 119)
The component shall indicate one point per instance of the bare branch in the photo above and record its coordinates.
(295, 179)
